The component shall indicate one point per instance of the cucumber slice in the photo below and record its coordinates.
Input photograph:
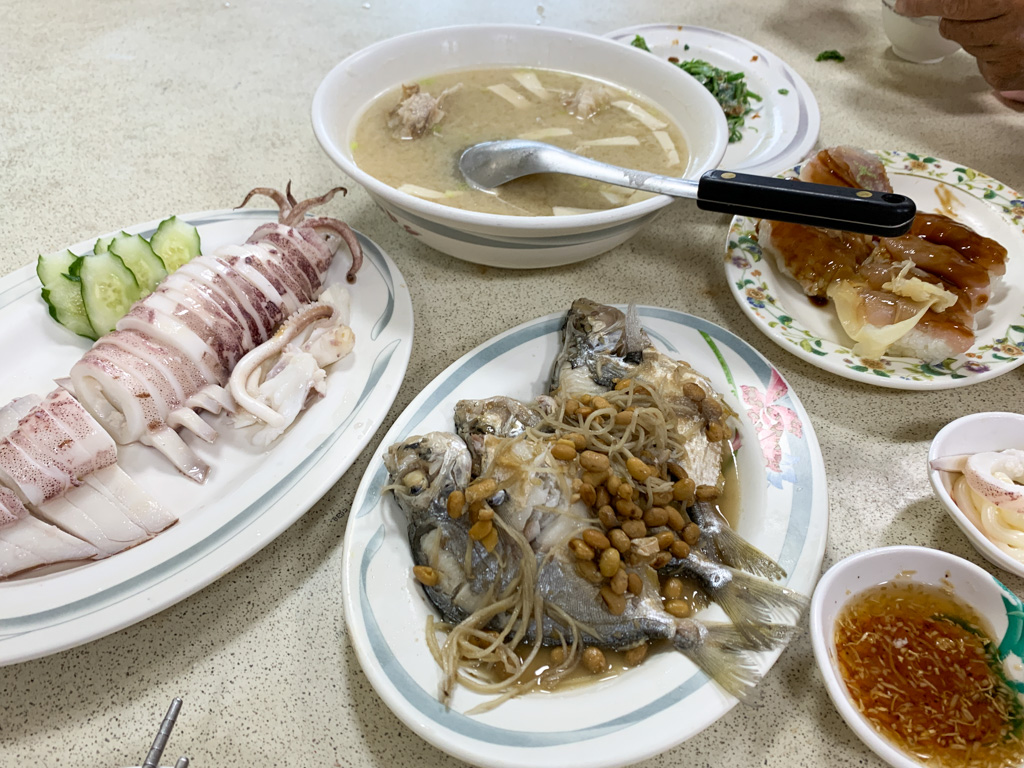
(102, 244)
(138, 256)
(175, 242)
(62, 294)
(109, 289)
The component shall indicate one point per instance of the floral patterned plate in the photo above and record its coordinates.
(780, 309)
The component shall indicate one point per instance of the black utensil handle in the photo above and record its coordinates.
(820, 205)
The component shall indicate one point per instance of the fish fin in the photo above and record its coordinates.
(751, 602)
(724, 654)
(773, 636)
(633, 337)
(720, 543)
(736, 552)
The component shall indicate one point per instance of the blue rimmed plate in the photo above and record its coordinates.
(777, 305)
(644, 711)
(250, 497)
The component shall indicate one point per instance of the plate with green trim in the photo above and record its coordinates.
(251, 496)
(640, 712)
(778, 307)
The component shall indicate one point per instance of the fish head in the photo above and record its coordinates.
(478, 420)
(426, 468)
(600, 344)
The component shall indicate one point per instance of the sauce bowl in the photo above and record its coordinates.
(976, 433)
(500, 240)
(1000, 611)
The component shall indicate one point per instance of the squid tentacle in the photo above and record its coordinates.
(298, 212)
(242, 378)
(343, 230)
(282, 204)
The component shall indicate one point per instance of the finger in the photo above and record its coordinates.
(983, 52)
(963, 10)
(975, 33)
(1003, 74)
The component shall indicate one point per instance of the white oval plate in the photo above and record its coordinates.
(250, 496)
(640, 713)
(778, 307)
(782, 129)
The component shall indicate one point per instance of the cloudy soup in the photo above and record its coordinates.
(411, 137)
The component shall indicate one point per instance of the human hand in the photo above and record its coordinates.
(990, 30)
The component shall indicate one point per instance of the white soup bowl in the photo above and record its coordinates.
(501, 240)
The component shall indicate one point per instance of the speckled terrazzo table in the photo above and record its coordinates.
(124, 111)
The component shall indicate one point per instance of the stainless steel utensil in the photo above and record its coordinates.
(160, 742)
(493, 163)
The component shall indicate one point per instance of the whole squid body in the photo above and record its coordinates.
(173, 353)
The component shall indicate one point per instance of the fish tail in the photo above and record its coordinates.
(722, 543)
(737, 552)
(752, 604)
(723, 654)
(772, 636)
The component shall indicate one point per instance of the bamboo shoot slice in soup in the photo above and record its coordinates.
(411, 136)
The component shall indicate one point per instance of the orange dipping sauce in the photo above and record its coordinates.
(920, 668)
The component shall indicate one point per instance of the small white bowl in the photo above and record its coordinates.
(915, 39)
(493, 239)
(976, 433)
(998, 608)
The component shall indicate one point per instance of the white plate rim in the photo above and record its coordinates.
(245, 532)
(828, 355)
(769, 67)
(432, 722)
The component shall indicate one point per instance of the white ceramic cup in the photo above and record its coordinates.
(915, 39)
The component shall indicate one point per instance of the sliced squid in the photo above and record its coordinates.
(16, 410)
(11, 507)
(29, 543)
(91, 517)
(63, 496)
(173, 353)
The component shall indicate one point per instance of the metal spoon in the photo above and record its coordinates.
(494, 163)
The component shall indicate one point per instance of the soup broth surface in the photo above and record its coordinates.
(590, 117)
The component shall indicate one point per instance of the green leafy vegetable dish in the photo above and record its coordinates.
(728, 88)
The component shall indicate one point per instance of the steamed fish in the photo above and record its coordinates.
(602, 346)
(554, 522)
(471, 580)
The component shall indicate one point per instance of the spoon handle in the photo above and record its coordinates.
(856, 210)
